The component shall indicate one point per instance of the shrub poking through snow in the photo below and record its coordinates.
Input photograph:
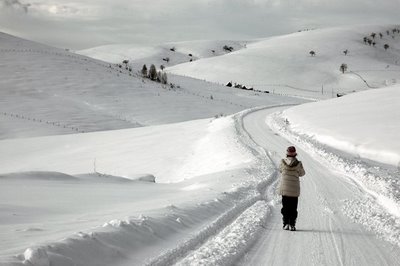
(386, 46)
(343, 68)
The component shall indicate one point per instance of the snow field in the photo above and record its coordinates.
(78, 199)
(183, 52)
(363, 124)
(222, 242)
(129, 152)
(49, 91)
(116, 240)
(58, 187)
(283, 64)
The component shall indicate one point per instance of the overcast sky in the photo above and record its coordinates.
(79, 24)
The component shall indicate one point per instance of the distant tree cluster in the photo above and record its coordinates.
(125, 65)
(243, 87)
(153, 74)
(227, 48)
(371, 39)
(306, 30)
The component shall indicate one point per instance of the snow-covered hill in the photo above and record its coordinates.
(75, 131)
(168, 54)
(284, 64)
(48, 91)
(74, 198)
(364, 124)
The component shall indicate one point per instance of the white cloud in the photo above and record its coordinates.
(85, 23)
(14, 4)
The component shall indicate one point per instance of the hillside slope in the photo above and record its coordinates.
(167, 54)
(283, 64)
(47, 91)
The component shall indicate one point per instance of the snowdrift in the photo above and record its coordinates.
(364, 124)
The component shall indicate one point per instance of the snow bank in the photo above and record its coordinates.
(379, 209)
(364, 124)
(37, 175)
(169, 152)
(136, 238)
(226, 247)
(36, 257)
(219, 138)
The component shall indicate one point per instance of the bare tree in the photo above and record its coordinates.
(346, 52)
(386, 46)
(312, 53)
(343, 68)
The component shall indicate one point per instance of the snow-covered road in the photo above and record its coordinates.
(325, 235)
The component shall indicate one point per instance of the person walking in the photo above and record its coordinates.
(291, 170)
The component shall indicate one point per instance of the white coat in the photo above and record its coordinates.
(291, 169)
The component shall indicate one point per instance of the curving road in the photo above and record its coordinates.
(325, 235)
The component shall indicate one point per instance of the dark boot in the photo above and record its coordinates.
(285, 227)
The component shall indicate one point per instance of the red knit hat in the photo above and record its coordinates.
(291, 151)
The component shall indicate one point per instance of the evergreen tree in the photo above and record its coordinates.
(164, 78)
(159, 76)
(153, 72)
(144, 71)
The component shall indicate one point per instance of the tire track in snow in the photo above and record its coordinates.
(338, 254)
(226, 239)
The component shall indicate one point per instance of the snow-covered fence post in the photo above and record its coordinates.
(94, 166)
